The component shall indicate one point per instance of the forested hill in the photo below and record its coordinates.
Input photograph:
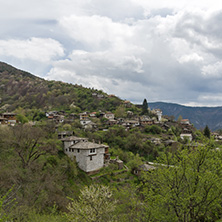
(199, 116)
(22, 89)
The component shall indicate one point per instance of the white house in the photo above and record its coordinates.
(186, 135)
(89, 156)
(85, 122)
(159, 113)
(185, 121)
(109, 115)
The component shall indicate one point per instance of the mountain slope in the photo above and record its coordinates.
(22, 89)
(199, 116)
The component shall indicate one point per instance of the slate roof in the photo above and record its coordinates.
(87, 145)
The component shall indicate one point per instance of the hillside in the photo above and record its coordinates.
(22, 89)
(199, 116)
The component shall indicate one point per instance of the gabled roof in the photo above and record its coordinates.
(88, 145)
(9, 114)
(185, 120)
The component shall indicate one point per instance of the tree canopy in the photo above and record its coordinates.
(94, 205)
(207, 132)
(187, 187)
(144, 107)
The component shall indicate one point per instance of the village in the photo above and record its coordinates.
(91, 156)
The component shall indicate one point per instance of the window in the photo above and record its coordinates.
(92, 150)
(90, 157)
(78, 150)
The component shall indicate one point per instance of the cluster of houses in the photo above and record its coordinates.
(187, 130)
(129, 122)
(87, 119)
(92, 156)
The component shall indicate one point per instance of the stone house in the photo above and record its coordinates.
(9, 118)
(216, 136)
(143, 168)
(3, 121)
(185, 121)
(127, 103)
(186, 135)
(65, 134)
(159, 113)
(89, 156)
(131, 123)
(145, 120)
(83, 116)
(109, 115)
(92, 115)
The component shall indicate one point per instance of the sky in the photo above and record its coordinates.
(160, 50)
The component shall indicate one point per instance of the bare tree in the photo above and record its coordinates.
(29, 143)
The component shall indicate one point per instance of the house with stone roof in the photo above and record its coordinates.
(8, 118)
(89, 156)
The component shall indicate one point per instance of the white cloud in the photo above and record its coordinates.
(162, 50)
(191, 58)
(212, 70)
(158, 56)
(37, 49)
(96, 32)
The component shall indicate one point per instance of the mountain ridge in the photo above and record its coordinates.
(199, 116)
(22, 89)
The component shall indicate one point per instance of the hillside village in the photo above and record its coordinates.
(92, 156)
(59, 140)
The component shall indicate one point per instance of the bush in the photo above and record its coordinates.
(154, 129)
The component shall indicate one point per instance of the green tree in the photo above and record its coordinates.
(94, 205)
(145, 107)
(187, 187)
(206, 132)
(6, 204)
(22, 119)
(179, 119)
(120, 112)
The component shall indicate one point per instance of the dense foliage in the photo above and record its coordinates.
(21, 89)
(187, 188)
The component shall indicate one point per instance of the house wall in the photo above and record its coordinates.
(66, 145)
(97, 161)
(83, 158)
(189, 136)
(159, 115)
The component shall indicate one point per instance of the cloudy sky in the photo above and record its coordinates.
(161, 50)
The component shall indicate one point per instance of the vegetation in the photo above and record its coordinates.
(94, 205)
(38, 182)
(186, 188)
(22, 89)
(207, 132)
(144, 107)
